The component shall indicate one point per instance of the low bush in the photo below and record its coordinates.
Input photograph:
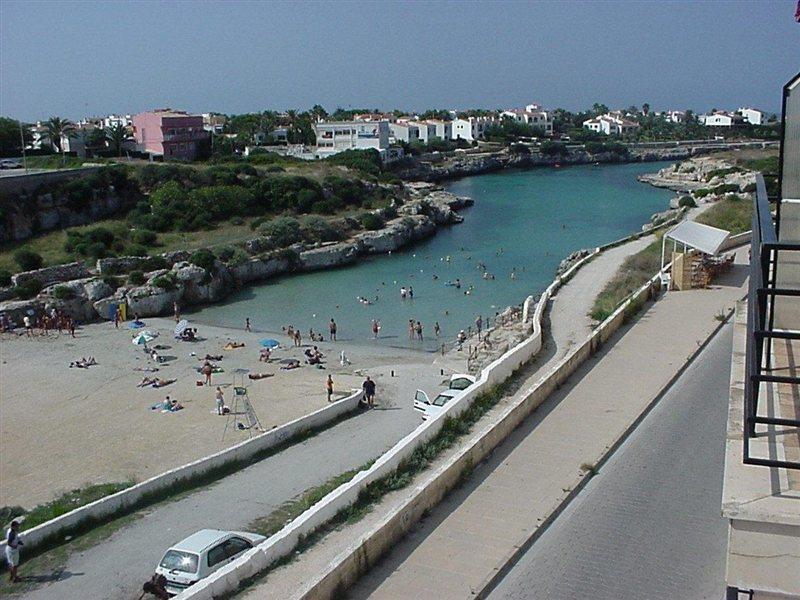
(371, 221)
(144, 237)
(28, 260)
(28, 289)
(317, 229)
(5, 278)
(136, 278)
(135, 250)
(165, 282)
(62, 292)
(203, 258)
(687, 201)
(284, 231)
(154, 263)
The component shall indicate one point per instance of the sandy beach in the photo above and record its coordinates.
(63, 428)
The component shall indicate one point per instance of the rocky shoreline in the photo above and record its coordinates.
(90, 295)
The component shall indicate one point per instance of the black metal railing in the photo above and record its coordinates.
(762, 296)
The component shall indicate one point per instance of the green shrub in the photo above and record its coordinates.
(63, 292)
(749, 188)
(226, 253)
(144, 237)
(96, 250)
(136, 278)
(28, 289)
(154, 263)
(5, 278)
(366, 161)
(550, 148)
(702, 193)
(317, 229)
(28, 260)
(687, 201)
(519, 149)
(203, 258)
(371, 221)
(135, 250)
(284, 231)
(113, 281)
(725, 188)
(239, 257)
(389, 213)
(165, 282)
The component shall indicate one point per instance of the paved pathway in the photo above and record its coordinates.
(455, 551)
(117, 566)
(639, 526)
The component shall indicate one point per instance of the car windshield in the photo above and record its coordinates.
(176, 560)
(441, 400)
(461, 383)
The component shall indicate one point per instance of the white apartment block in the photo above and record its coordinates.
(470, 128)
(752, 115)
(426, 130)
(337, 136)
(403, 132)
(115, 120)
(532, 115)
(443, 129)
(675, 116)
(611, 124)
(721, 119)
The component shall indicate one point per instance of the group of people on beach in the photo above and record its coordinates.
(41, 325)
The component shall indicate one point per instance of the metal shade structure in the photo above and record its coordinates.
(706, 239)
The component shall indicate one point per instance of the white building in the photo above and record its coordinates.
(532, 115)
(337, 136)
(114, 120)
(721, 119)
(675, 116)
(611, 124)
(427, 130)
(470, 128)
(403, 132)
(442, 129)
(752, 115)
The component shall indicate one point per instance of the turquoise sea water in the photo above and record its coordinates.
(522, 221)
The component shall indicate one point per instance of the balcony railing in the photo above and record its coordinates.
(762, 296)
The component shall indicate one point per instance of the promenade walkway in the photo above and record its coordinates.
(456, 551)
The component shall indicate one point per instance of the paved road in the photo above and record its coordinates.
(116, 567)
(648, 525)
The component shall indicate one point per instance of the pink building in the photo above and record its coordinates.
(173, 134)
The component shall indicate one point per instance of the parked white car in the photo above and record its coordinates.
(202, 553)
(7, 163)
(430, 408)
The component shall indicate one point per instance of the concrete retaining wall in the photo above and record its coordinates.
(110, 505)
(737, 240)
(29, 182)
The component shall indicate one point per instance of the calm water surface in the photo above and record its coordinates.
(522, 221)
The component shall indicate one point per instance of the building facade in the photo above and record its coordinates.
(338, 136)
(611, 124)
(404, 132)
(752, 115)
(172, 134)
(470, 128)
(533, 115)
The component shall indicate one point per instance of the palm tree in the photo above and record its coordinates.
(116, 136)
(57, 127)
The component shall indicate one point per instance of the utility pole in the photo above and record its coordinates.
(22, 141)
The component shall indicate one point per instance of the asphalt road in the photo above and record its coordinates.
(648, 525)
(117, 566)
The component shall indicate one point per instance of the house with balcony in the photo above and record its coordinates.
(470, 128)
(442, 129)
(337, 136)
(532, 115)
(171, 134)
(403, 131)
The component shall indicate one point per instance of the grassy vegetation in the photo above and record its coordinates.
(61, 505)
(733, 214)
(633, 274)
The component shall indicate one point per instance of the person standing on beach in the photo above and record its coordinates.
(418, 329)
(411, 329)
(247, 324)
(479, 324)
(329, 387)
(176, 311)
(117, 317)
(332, 329)
(376, 327)
(220, 397)
(298, 338)
(207, 370)
(369, 391)
(13, 542)
(436, 329)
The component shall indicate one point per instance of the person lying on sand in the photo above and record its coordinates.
(146, 369)
(260, 375)
(168, 404)
(83, 363)
(211, 357)
(233, 345)
(155, 382)
(293, 364)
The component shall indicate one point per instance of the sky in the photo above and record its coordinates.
(74, 59)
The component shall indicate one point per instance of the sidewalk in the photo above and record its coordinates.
(456, 551)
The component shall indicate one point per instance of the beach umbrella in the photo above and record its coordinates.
(182, 326)
(269, 343)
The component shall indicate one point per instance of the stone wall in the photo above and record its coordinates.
(54, 274)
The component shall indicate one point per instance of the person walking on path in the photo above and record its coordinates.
(329, 387)
(13, 542)
(332, 328)
(220, 396)
(247, 324)
(369, 391)
(207, 370)
(479, 324)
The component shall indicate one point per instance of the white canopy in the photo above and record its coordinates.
(696, 235)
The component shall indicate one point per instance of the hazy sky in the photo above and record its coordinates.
(77, 58)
